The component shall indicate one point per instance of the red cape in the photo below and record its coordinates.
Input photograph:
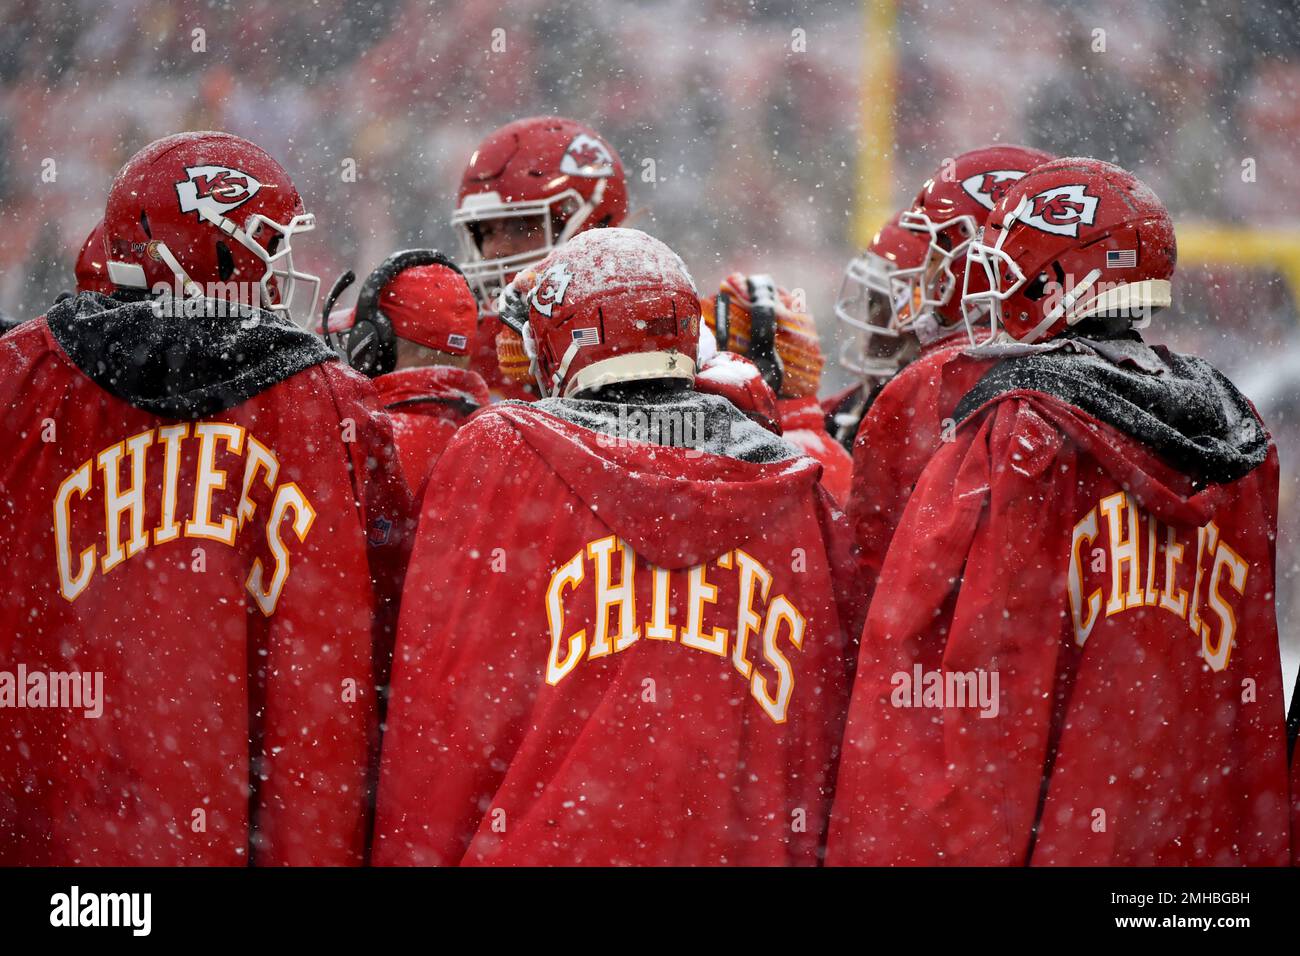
(1139, 701)
(427, 405)
(527, 728)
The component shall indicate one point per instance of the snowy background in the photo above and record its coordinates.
(755, 144)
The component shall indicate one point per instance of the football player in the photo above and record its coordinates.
(1072, 654)
(412, 330)
(201, 524)
(752, 317)
(528, 187)
(875, 346)
(911, 416)
(652, 666)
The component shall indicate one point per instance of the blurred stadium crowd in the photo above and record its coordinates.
(753, 142)
(741, 146)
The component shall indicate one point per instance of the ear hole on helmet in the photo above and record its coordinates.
(144, 223)
(1038, 288)
(1035, 290)
(225, 261)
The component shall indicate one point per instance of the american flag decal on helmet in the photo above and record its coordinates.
(1121, 259)
(587, 336)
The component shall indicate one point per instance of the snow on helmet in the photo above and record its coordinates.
(609, 306)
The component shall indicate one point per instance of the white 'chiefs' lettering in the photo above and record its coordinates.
(1135, 583)
(761, 625)
(288, 496)
(124, 476)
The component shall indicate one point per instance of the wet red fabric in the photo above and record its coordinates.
(1128, 617)
(546, 717)
(235, 605)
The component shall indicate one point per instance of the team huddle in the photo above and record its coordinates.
(539, 555)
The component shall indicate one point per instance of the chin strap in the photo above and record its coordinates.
(534, 366)
(584, 212)
(1065, 305)
(192, 288)
(234, 232)
(558, 377)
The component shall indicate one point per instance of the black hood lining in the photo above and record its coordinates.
(716, 426)
(188, 362)
(1189, 414)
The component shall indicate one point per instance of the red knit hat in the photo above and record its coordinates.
(432, 306)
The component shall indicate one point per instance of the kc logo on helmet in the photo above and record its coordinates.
(1060, 210)
(549, 291)
(988, 187)
(215, 189)
(587, 157)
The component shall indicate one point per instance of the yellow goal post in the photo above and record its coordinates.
(1199, 243)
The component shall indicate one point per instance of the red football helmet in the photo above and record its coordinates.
(214, 215)
(611, 305)
(550, 169)
(1074, 239)
(91, 273)
(948, 211)
(873, 300)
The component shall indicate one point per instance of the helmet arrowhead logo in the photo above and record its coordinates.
(215, 190)
(1060, 210)
(988, 187)
(550, 289)
(588, 157)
